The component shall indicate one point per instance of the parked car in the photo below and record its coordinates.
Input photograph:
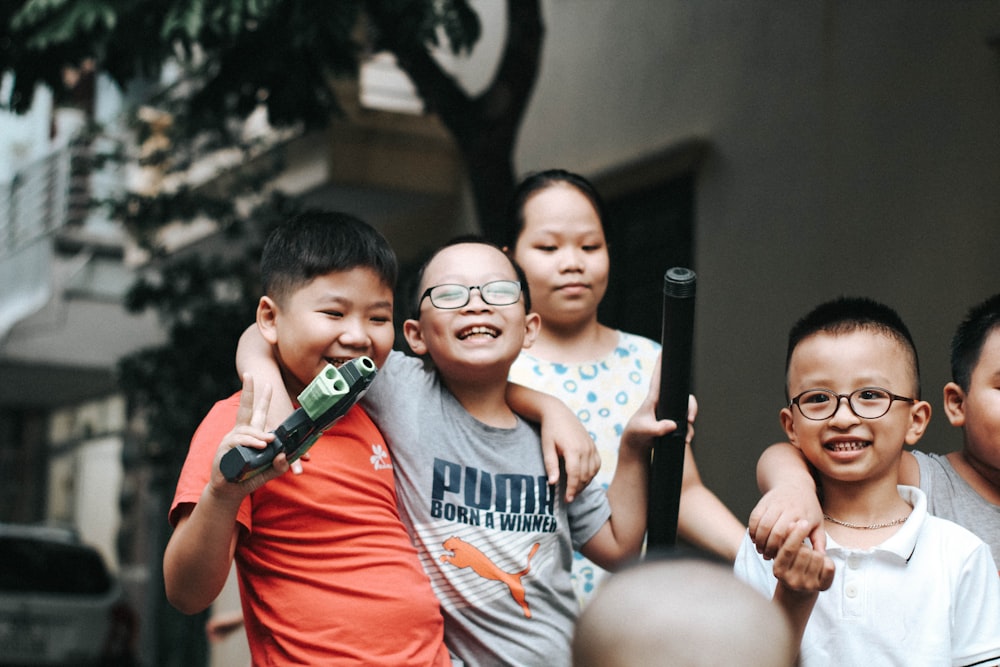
(59, 604)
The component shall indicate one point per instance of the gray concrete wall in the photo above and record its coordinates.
(855, 149)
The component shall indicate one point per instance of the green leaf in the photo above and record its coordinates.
(53, 22)
(184, 21)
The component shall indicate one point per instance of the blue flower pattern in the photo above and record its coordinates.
(603, 394)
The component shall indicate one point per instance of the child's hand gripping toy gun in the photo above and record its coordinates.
(325, 400)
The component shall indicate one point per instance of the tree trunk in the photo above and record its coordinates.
(485, 128)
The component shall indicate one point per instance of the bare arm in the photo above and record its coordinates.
(255, 356)
(703, 520)
(199, 554)
(802, 572)
(562, 433)
(789, 496)
(563, 436)
(620, 539)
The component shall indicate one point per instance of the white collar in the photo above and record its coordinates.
(902, 543)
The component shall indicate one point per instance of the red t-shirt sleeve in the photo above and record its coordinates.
(197, 469)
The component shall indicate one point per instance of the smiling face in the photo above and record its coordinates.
(846, 447)
(477, 337)
(333, 318)
(564, 254)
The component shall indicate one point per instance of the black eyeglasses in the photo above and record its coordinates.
(450, 296)
(867, 402)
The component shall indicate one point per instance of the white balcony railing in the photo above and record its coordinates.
(41, 198)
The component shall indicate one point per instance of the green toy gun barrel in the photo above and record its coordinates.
(327, 398)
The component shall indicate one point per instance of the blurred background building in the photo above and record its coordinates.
(787, 152)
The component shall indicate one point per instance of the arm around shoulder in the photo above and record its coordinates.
(789, 495)
(563, 436)
(255, 357)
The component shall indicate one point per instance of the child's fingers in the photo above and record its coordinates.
(245, 412)
(818, 539)
(280, 465)
(768, 530)
(572, 477)
(800, 566)
(762, 527)
(797, 534)
(790, 547)
(261, 402)
(550, 459)
(247, 436)
(828, 571)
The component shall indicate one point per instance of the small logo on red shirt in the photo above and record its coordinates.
(380, 457)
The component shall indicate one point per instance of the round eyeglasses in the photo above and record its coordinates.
(450, 296)
(866, 403)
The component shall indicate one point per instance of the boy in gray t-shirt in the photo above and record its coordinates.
(494, 537)
(950, 497)
(964, 486)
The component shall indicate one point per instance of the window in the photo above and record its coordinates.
(650, 229)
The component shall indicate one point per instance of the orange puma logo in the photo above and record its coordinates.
(464, 554)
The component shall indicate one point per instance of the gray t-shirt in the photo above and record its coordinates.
(495, 539)
(950, 497)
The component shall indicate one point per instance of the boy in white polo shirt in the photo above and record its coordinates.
(909, 588)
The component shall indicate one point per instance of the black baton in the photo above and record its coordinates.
(667, 469)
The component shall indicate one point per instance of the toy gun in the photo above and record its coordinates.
(325, 400)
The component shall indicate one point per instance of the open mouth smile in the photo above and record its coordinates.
(478, 331)
(849, 446)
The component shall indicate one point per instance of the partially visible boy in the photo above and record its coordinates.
(327, 572)
(909, 588)
(962, 486)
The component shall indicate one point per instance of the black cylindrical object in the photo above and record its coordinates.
(675, 381)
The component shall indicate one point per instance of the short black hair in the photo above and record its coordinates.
(542, 180)
(458, 240)
(967, 343)
(315, 243)
(847, 314)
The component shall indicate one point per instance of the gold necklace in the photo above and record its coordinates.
(874, 526)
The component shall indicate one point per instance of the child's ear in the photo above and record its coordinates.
(414, 337)
(267, 316)
(532, 325)
(920, 416)
(788, 424)
(954, 404)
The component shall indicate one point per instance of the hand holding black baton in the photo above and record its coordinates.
(667, 469)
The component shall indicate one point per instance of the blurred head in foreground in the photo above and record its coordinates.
(681, 613)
